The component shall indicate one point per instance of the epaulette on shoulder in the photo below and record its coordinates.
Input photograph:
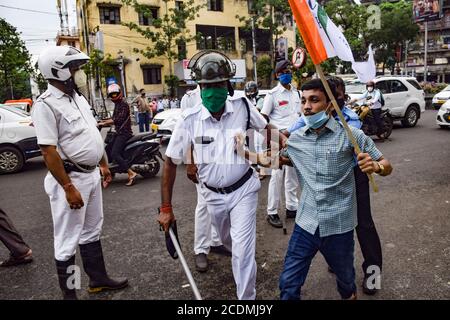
(191, 111)
(44, 95)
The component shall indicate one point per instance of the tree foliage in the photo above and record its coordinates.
(99, 67)
(167, 33)
(15, 67)
(397, 27)
(272, 15)
(264, 69)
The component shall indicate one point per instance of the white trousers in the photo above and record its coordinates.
(290, 189)
(73, 227)
(205, 234)
(235, 217)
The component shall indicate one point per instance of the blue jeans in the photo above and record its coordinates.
(338, 252)
(144, 119)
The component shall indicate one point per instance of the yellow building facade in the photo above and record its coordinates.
(217, 22)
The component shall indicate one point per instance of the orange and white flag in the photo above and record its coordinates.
(323, 39)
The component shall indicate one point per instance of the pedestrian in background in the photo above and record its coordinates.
(19, 251)
(144, 112)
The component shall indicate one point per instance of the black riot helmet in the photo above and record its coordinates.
(251, 89)
(210, 66)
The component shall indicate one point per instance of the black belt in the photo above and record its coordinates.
(234, 186)
(70, 167)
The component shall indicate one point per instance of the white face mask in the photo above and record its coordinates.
(370, 89)
(80, 79)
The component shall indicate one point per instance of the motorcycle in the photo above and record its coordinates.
(369, 126)
(141, 152)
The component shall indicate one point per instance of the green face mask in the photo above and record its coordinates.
(214, 98)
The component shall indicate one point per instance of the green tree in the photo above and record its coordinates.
(15, 68)
(264, 69)
(39, 79)
(397, 27)
(167, 33)
(99, 68)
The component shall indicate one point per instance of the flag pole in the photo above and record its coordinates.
(344, 123)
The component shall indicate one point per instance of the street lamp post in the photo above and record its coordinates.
(255, 73)
(122, 76)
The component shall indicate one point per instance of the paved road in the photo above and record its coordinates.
(412, 213)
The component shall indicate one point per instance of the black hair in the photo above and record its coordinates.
(338, 82)
(316, 84)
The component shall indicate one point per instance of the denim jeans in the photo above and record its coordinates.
(144, 119)
(338, 252)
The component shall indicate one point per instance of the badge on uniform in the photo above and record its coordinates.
(203, 140)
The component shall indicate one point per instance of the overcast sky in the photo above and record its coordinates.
(36, 27)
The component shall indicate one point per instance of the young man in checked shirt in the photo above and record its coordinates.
(323, 157)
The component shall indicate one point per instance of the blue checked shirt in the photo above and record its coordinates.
(324, 165)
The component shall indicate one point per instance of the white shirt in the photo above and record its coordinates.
(282, 106)
(218, 164)
(191, 99)
(165, 103)
(70, 126)
(173, 104)
(375, 100)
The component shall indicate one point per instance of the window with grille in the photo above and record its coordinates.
(146, 18)
(152, 74)
(216, 37)
(215, 5)
(178, 5)
(109, 15)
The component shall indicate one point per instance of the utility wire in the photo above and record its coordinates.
(28, 10)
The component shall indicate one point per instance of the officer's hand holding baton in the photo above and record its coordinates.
(166, 216)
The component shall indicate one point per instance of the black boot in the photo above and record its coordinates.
(63, 276)
(94, 265)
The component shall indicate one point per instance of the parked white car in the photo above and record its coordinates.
(164, 122)
(403, 96)
(443, 116)
(440, 98)
(18, 141)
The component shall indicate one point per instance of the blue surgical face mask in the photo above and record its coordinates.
(316, 120)
(285, 78)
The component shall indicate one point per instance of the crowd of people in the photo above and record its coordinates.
(298, 136)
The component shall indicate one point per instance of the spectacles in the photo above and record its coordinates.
(114, 95)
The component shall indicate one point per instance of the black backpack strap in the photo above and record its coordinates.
(248, 119)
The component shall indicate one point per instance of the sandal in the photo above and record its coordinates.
(15, 261)
(131, 181)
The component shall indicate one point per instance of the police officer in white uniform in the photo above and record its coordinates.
(230, 187)
(206, 237)
(281, 108)
(73, 148)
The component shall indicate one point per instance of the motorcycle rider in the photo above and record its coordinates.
(373, 97)
(122, 122)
